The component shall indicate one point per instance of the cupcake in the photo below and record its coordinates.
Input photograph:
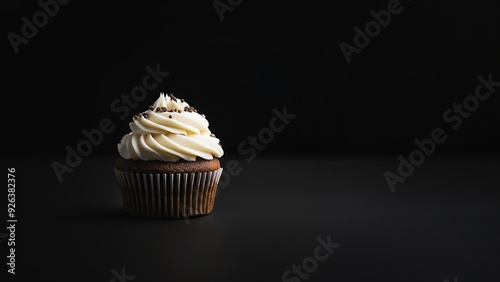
(169, 163)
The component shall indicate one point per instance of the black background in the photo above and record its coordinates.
(263, 55)
(323, 174)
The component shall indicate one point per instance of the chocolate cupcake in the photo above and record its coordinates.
(169, 163)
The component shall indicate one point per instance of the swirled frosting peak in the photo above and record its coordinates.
(169, 130)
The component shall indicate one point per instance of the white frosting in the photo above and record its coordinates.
(170, 130)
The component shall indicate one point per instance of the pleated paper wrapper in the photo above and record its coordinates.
(168, 195)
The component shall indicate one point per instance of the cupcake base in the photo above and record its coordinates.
(168, 195)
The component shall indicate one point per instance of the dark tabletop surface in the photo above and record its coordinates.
(441, 223)
(397, 71)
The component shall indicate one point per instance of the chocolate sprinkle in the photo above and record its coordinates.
(189, 109)
(170, 116)
(173, 97)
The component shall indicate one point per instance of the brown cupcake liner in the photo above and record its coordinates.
(168, 195)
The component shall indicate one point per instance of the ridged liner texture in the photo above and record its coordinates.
(168, 195)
